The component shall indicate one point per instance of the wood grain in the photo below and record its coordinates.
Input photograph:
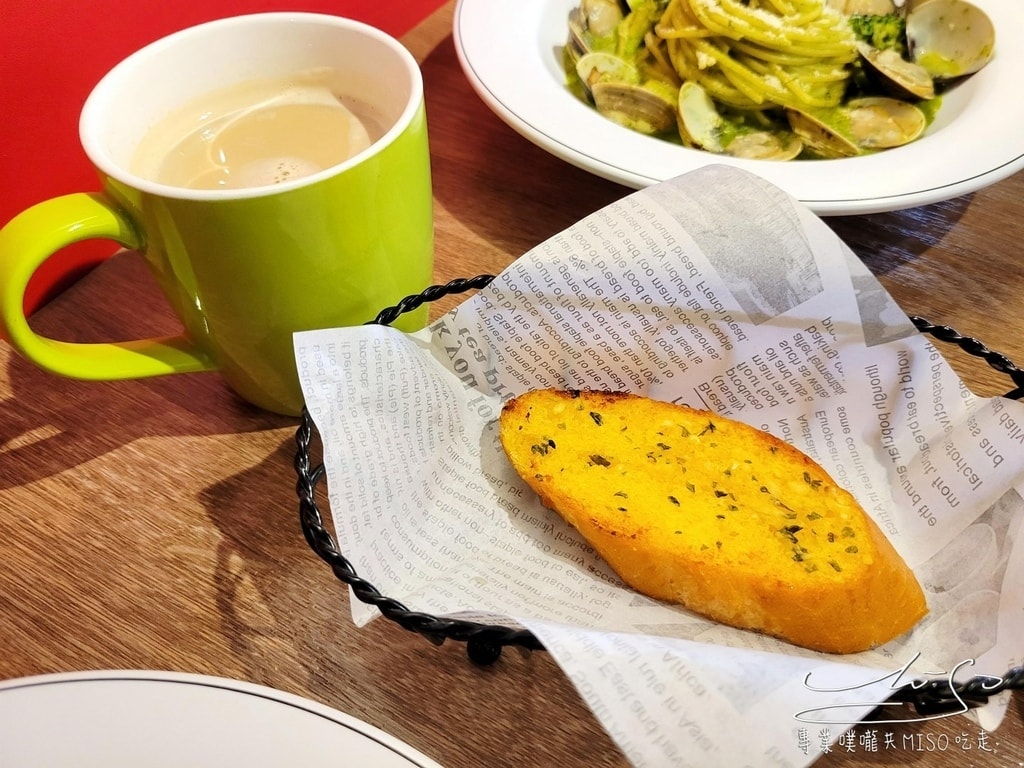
(153, 524)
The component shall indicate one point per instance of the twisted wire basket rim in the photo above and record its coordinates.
(485, 642)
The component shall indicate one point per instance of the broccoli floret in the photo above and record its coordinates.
(882, 31)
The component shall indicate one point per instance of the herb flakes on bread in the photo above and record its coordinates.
(725, 519)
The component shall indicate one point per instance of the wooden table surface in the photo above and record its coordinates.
(153, 524)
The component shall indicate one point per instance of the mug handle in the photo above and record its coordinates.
(29, 239)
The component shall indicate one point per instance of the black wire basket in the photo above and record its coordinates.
(485, 642)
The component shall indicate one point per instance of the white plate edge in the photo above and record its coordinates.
(319, 709)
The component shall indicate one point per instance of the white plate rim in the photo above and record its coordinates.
(307, 706)
(508, 53)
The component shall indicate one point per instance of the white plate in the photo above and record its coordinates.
(510, 52)
(161, 719)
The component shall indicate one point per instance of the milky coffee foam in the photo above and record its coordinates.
(256, 133)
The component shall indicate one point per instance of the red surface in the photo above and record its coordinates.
(51, 55)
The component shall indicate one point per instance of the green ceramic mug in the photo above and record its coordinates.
(243, 269)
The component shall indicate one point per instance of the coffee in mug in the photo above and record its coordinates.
(274, 172)
(260, 132)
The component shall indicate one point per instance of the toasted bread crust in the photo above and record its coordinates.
(693, 508)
